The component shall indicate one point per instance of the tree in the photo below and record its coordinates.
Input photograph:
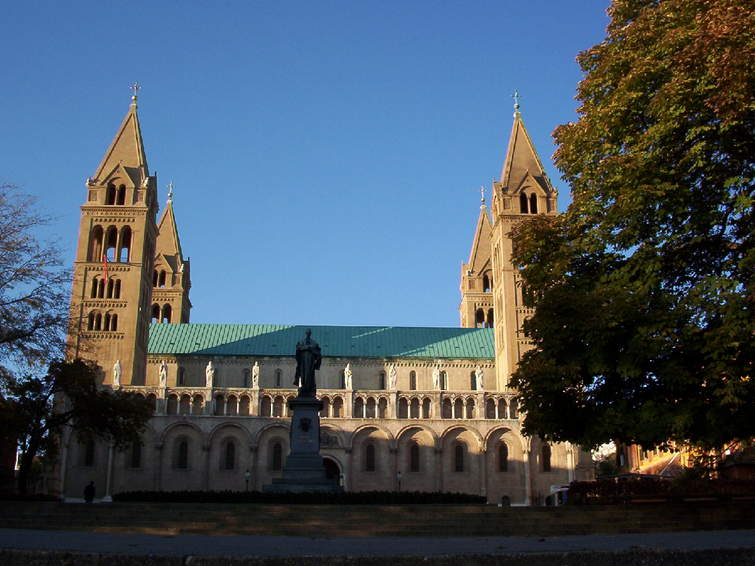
(644, 290)
(33, 286)
(36, 410)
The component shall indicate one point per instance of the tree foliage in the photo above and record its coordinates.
(643, 331)
(33, 286)
(36, 409)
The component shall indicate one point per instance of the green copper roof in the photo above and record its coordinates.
(335, 341)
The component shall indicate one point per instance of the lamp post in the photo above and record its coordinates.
(247, 476)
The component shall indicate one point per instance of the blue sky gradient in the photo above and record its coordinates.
(326, 156)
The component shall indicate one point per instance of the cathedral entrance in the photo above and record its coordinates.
(332, 470)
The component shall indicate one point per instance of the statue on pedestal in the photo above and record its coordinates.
(308, 359)
(209, 374)
(163, 374)
(392, 378)
(117, 374)
(347, 375)
(479, 378)
(436, 378)
(256, 375)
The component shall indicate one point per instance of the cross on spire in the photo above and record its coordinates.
(516, 97)
(135, 88)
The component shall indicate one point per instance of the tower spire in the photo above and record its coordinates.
(135, 88)
(516, 98)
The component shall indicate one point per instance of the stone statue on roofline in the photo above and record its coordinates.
(308, 359)
(347, 377)
(209, 374)
(436, 378)
(392, 378)
(479, 377)
(256, 375)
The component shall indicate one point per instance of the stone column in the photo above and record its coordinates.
(439, 469)
(483, 471)
(109, 474)
(158, 471)
(348, 404)
(527, 484)
(394, 453)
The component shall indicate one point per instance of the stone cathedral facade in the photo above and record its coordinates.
(405, 408)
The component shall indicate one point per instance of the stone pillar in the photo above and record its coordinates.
(527, 484)
(439, 469)
(483, 471)
(158, 471)
(206, 474)
(109, 474)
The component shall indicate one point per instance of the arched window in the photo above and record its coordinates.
(117, 289)
(413, 380)
(172, 408)
(325, 407)
(98, 321)
(110, 194)
(266, 408)
(278, 376)
(184, 405)
(459, 453)
(502, 409)
(486, 284)
(381, 380)
(489, 321)
(111, 241)
(369, 457)
(533, 203)
(161, 279)
(514, 409)
(182, 454)
(458, 409)
(414, 457)
(110, 284)
(503, 457)
(121, 195)
(472, 381)
(470, 408)
(246, 377)
(489, 409)
(181, 376)
(278, 406)
(370, 408)
(244, 404)
(479, 318)
(276, 461)
(382, 408)
(403, 408)
(523, 203)
(545, 456)
(155, 313)
(135, 455)
(443, 380)
(337, 407)
(166, 314)
(229, 456)
(359, 408)
(106, 326)
(113, 322)
(446, 411)
(426, 408)
(154, 278)
(124, 247)
(90, 321)
(95, 244)
(414, 409)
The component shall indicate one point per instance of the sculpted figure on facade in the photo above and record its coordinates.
(479, 378)
(392, 378)
(117, 374)
(436, 378)
(209, 374)
(163, 374)
(256, 375)
(347, 383)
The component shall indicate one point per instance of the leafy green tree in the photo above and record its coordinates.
(644, 287)
(36, 409)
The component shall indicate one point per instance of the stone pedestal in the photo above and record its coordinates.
(304, 470)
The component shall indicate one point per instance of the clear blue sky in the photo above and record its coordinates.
(327, 156)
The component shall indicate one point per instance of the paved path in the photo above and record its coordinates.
(281, 546)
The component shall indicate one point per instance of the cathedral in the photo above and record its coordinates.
(404, 408)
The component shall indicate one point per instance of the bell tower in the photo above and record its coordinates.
(522, 192)
(112, 273)
(476, 308)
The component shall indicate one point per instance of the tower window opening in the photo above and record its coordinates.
(155, 313)
(479, 318)
(110, 194)
(161, 279)
(523, 208)
(117, 289)
(167, 311)
(443, 380)
(98, 321)
(489, 320)
(533, 203)
(154, 278)
(111, 241)
(486, 285)
(121, 195)
(381, 380)
(95, 244)
(473, 381)
(124, 248)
